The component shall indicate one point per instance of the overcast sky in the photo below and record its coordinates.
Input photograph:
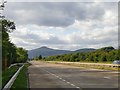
(64, 25)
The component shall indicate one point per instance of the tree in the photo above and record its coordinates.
(22, 55)
(7, 25)
(110, 48)
(8, 48)
(40, 57)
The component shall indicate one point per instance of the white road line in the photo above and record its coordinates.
(72, 84)
(106, 77)
(68, 82)
(57, 76)
(53, 74)
(77, 87)
(62, 79)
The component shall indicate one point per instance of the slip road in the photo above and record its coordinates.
(57, 76)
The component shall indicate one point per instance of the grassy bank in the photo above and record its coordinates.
(21, 82)
(88, 65)
(7, 74)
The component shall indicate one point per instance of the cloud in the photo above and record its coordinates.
(54, 14)
(64, 25)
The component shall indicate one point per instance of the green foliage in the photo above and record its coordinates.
(106, 54)
(107, 48)
(7, 25)
(40, 57)
(22, 55)
(7, 74)
(9, 50)
(21, 82)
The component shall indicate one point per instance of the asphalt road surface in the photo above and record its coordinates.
(65, 77)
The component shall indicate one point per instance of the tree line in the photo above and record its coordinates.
(105, 54)
(10, 53)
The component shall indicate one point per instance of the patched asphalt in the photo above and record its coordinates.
(47, 75)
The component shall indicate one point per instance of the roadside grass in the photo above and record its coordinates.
(21, 82)
(96, 67)
(7, 74)
(87, 65)
(57, 61)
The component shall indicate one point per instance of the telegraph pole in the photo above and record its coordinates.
(2, 5)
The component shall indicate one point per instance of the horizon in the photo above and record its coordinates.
(71, 50)
(64, 26)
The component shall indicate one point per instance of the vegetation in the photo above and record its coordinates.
(8, 48)
(106, 54)
(7, 74)
(38, 58)
(10, 53)
(22, 55)
(21, 81)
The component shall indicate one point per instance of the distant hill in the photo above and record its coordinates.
(85, 50)
(45, 51)
(110, 48)
(105, 54)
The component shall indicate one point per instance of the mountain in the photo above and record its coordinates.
(110, 48)
(45, 51)
(85, 50)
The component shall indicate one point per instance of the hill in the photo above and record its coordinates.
(105, 54)
(85, 50)
(45, 51)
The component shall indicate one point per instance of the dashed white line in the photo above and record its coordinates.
(53, 74)
(68, 82)
(106, 77)
(57, 76)
(78, 87)
(72, 84)
(63, 79)
(60, 78)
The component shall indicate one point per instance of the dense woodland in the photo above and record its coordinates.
(10, 53)
(105, 54)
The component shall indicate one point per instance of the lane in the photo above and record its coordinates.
(46, 75)
(41, 78)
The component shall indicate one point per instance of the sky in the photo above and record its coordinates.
(63, 25)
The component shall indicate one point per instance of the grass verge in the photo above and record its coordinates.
(21, 82)
(7, 74)
(87, 65)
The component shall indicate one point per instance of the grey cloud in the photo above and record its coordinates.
(53, 14)
(53, 40)
(61, 15)
(101, 37)
(37, 39)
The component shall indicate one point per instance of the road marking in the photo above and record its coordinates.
(106, 77)
(68, 82)
(77, 87)
(53, 74)
(57, 76)
(62, 79)
(72, 84)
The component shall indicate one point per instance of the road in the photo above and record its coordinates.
(65, 77)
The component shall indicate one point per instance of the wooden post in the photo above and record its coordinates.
(5, 63)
